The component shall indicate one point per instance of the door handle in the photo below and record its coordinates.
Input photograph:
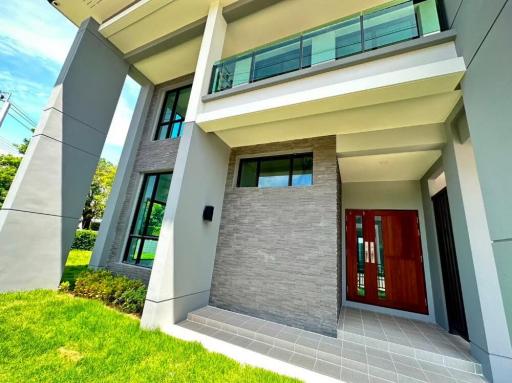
(372, 252)
(366, 257)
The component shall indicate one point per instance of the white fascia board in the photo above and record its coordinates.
(265, 101)
(131, 15)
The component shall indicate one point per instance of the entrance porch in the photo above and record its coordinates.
(370, 347)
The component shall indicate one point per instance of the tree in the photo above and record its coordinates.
(98, 193)
(22, 148)
(9, 164)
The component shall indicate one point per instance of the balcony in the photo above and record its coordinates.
(392, 23)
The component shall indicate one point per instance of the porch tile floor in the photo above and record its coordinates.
(372, 347)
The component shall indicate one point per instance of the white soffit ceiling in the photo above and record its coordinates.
(406, 113)
(407, 166)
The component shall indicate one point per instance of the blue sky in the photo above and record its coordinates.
(34, 41)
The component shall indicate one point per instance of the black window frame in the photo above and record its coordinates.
(172, 119)
(258, 160)
(131, 234)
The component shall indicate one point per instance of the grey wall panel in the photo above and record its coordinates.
(152, 156)
(277, 250)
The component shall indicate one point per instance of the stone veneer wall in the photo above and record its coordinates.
(277, 256)
(152, 157)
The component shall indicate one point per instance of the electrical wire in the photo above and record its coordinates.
(21, 123)
(23, 114)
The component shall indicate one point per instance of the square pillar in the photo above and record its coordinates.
(41, 212)
(183, 267)
(479, 273)
(115, 201)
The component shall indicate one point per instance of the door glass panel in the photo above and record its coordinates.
(360, 256)
(379, 249)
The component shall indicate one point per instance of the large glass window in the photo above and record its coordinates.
(275, 172)
(173, 113)
(147, 222)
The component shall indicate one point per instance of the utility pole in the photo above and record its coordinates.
(4, 97)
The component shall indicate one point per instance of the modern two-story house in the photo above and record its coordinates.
(295, 171)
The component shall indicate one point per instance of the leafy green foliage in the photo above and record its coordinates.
(9, 164)
(124, 293)
(51, 337)
(22, 148)
(84, 239)
(98, 193)
(65, 287)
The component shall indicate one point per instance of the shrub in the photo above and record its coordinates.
(95, 225)
(132, 300)
(65, 287)
(126, 294)
(84, 239)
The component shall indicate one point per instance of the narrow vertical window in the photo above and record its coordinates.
(173, 113)
(147, 222)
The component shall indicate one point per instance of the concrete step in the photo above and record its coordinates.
(341, 359)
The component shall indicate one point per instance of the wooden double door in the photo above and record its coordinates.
(384, 259)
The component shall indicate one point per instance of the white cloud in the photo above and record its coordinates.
(23, 30)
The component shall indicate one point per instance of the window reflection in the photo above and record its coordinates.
(143, 239)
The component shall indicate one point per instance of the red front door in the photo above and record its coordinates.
(384, 260)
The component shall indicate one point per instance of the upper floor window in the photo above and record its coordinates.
(173, 113)
(276, 171)
(147, 222)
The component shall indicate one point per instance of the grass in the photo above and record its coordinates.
(78, 260)
(53, 337)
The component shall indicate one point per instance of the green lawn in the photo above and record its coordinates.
(53, 337)
(78, 260)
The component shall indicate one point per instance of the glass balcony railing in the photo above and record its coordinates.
(395, 22)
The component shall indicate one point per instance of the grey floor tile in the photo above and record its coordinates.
(351, 346)
(411, 362)
(384, 364)
(206, 330)
(302, 361)
(289, 336)
(307, 342)
(374, 379)
(411, 372)
(260, 347)
(333, 348)
(280, 354)
(435, 368)
(390, 376)
(436, 378)
(240, 341)
(223, 335)
(351, 376)
(354, 355)
(378, 353)
(354, 365)
(466, 377)
(328, 357)
(329, 369)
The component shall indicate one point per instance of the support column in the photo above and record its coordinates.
(110, 219)
(41, 212)
(485, 311)
(182, 272)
